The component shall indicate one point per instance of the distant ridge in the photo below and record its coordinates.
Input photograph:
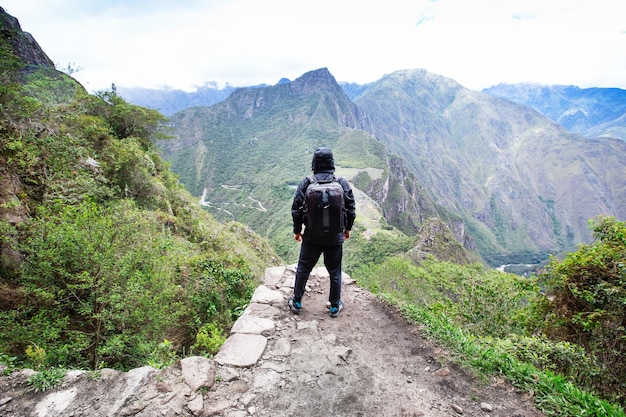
(592, 112)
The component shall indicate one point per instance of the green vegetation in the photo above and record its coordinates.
(45, 379)
(587, 304)
(251, 151)
(567, 348)
(106, 260)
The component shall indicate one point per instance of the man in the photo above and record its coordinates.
(314, 245)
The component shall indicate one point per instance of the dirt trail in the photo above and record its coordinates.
(367, 362)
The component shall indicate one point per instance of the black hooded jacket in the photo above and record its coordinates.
(323, 166)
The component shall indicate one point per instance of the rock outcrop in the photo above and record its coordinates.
(23, 43)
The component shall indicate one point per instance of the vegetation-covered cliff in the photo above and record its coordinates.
(104, 255)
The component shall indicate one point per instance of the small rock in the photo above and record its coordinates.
(343, 352)
(457, 408)
(274, 276)
(163, 387)
(228, 374)
(216, 407)
(282, 347)
(196, 405)
(238, 387)
(247, 399)
(198, 372)
(486, 407)
(442, 372)
(5, 400)
(265, 295)
(253, 325)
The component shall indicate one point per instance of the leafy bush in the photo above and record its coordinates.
(100, 285)
(587, 303)
(487, 303)
(105, 287)
(218, 290)
(209, 339)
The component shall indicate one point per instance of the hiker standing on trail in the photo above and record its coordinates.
(324, 205)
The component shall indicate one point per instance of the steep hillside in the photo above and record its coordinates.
(511, 182)
(105, 259)
(246, 155)
(592, 112)
(523, 185)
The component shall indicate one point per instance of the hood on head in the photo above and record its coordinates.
(323, 160)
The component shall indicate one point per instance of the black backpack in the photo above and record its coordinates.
(325, 214)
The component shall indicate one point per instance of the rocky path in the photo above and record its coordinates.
(366, 362)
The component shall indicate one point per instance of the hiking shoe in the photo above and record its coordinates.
(335, 310)
(294, 305)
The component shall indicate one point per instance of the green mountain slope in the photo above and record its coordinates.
(509, 182)
(246, 155)
(105, 259)
(522, 184)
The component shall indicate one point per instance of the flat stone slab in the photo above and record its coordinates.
(253, 325)
(265, 295)
(274, 276)
(265, 311)
(242, 350)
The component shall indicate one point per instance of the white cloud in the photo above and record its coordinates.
(243, 42)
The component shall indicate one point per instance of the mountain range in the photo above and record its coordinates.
(592, 112)
(510, 182)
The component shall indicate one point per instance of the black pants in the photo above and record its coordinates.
(309, 255)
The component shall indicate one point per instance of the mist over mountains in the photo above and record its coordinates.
(592, 112)
(510, 182)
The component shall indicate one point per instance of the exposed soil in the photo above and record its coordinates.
(367, 362)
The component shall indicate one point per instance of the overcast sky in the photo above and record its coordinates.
(185, 43)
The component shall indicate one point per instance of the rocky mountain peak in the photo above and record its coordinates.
(316, 81)
(24, 45)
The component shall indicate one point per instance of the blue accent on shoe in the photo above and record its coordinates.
(294, 305)
(335, 310)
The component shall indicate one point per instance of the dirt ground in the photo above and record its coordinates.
(367, 362)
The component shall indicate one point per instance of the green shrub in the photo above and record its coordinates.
(163, 355)
(209, 339)
(218, 291)
(487, 303)
(587, 302)
(101, 286)
(46, 379)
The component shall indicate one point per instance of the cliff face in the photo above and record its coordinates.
(22, 43)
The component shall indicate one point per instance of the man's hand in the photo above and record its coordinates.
(346, 234)
(298, 236)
